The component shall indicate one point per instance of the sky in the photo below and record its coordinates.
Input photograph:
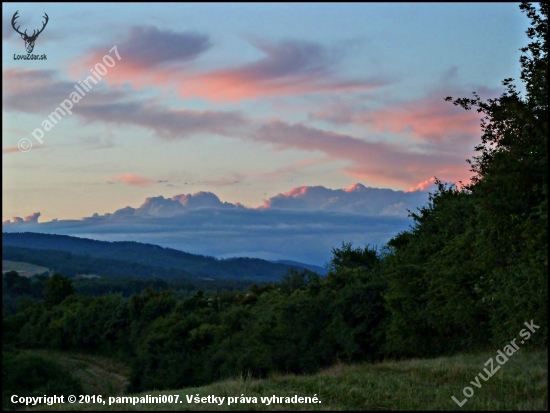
(264, 130)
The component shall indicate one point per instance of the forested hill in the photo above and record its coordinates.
(146, 255)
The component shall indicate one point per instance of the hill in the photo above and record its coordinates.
(314, 268)
(167, 262)
(71, 265)
(520, 384)
(24, 269)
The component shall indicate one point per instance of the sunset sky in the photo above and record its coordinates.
(255, 103)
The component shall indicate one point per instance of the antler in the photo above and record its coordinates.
(15, 16)
(34, 33)
(43, 27)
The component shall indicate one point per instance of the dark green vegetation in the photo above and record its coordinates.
(29, 374)
(72, 256)
(18, 288)
(34, 373)
(469, 274)
(522, 384)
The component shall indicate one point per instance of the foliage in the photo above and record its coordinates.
(30, 375)
(56, 289)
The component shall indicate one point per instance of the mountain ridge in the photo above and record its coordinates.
(151, 255)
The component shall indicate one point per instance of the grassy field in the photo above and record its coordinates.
(24, 269)
(520, 384)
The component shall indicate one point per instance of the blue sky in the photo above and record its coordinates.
(246, 101)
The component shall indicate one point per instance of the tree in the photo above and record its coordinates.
(349, 257)
(56, 289)
(510, 189)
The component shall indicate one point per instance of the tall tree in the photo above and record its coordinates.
(510, 187)
(56, 289)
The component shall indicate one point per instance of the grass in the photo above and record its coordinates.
(24, 269)
(520, 384)
(97, 375)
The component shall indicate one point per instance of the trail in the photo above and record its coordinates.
(98, 375)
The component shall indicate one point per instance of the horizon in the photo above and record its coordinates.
(274, 107)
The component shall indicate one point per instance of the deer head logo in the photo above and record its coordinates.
(29, 40)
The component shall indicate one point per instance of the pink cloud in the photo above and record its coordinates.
(134, 180)
(422, 186)
(429, 118)
(15, 149)
(234, 85)
(357, 199)
(377, 161)
(287, 68)
(32, 217)
(10, 149)
(145, 56)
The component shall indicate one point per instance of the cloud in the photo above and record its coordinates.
(29, 219)
(356, 199)
(166, 123)
(423, 186)
(15, 149)
(147, 46)
(11, 149)
(148, 56)
(428, 118)
(425, 119)
(290, 67)
(31, 91)
(38, 92)
(201, 200)
(302, 224)
(134, 180)
(32, 217)
(380, 161)
(158, 206)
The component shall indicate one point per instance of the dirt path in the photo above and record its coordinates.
(98, 375)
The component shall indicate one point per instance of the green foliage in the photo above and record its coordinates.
(30, 375)
(433, 284)
(474, 267)
(349, 257)
(56, 289)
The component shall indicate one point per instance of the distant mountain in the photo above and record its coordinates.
(163, 262)
(71, 265)
(314, 268)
